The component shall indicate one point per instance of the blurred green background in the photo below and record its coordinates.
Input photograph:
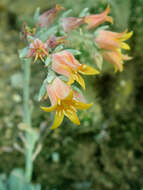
(106, 151)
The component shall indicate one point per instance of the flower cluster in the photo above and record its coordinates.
(50, 46)
(112, 44)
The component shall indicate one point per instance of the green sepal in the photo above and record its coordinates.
(84, 12)
(50, 77)
(23, 52)
(76, 89)
(99, 60)
(48, 61)
(99, 29)
(73, 51)
(43, 34)
(64, 78)
(66, 13)
(30, 38)
(59, 48)
(42, 91)
(36, 15)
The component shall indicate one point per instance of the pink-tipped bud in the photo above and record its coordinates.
(47, 17)
(71, 23)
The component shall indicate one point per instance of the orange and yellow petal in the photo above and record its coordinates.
(71, 114)
(87, 70)
(80, 80)
(71, 80)
(69, 97)
(107, 10)
(126, 57)
(59, 116)
(81, 105)
(48, 109)
(36, 57)
(115, 58)
(126, 35)
(109, 19)
(125, 46)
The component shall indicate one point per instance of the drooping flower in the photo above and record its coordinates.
(37, 49)
(65, 63)
(71, 23)
(64, 103)
(47, 17)
(93, 21)
(116, 58)
(113, 40)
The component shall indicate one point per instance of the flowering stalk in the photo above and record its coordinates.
(48, 47)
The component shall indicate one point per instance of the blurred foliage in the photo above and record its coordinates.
(16, 181)
(106, 151)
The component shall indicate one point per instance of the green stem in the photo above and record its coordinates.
(26, 82)
(27, 120)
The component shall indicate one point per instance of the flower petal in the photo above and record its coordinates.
(48, 109)
(126, 35)
(59, 116)
(126, 57)
(71, 80)
(87, 70)
(125, 46)
(69, 97)
(80, 80)
(114, 58)
(109, 19)
(81, 105)
(72, 116)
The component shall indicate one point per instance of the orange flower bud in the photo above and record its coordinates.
(93, 21)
